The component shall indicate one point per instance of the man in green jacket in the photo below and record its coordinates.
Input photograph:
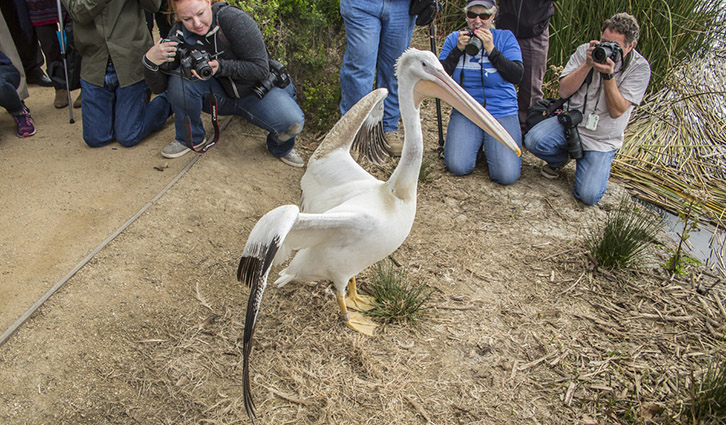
(112, 37)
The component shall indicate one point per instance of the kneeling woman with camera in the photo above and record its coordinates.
(487, 63)
(217, 50)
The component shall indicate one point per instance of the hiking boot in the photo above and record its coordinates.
(293, 159)
(176, 149)
(77, 102)
(394, 143)
(24, 122)
(61, 98)
(552, 173)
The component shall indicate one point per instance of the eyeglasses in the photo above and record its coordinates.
(483, 16)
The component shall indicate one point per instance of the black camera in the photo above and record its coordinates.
(569, 120)
(474, 46)
(609, 49)
(188, 58)
(278, 77)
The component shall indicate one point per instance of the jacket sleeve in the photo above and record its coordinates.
(450, 54)
(150, 5)
(252, 63)
(510, 70)
(84, 11)
(155, 78)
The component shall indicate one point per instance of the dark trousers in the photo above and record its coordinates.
(25, 42)
(534, 59)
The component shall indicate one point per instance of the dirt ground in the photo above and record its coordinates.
(520, 328)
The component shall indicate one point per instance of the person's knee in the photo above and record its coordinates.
(292, 129)
(506, 177)
(94, 142)
(589, 197)
(458, 168)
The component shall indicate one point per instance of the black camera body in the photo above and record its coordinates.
(474, 46)
(569, 121)
(188, 58)
(278, 77)
(609, 49)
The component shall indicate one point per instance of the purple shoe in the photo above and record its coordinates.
(24, 122)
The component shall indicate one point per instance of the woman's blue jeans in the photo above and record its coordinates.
(547, 141)
(377, 33)
(464, 141)
(9, 82)
(131, 118)
(277, 112)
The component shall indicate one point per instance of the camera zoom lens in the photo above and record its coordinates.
(473, 46)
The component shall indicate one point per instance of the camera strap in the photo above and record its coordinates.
(215, 123)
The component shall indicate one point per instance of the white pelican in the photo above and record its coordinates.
(348, 219)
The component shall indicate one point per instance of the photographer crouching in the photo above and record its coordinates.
(604, 80)
(216, 52)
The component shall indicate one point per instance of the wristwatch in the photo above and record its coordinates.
(606, 76)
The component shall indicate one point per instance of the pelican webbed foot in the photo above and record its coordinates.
(354, 320)
(358, 301)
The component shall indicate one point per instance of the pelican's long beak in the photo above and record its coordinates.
(445, 88)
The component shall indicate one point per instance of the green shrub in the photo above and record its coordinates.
(395, 298)
(707, 396)
(627, 231)
(307, 37)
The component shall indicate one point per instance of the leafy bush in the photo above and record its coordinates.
(627, 231)
(307, 36)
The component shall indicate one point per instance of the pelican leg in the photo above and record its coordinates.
(354, 320)
(357, 301)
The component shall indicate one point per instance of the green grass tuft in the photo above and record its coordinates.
(396, 299)
(627, 231)
(707, 396)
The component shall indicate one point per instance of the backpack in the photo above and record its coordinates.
(56, 70)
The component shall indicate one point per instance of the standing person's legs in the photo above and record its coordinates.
(396, 31)
(534, 59)
(591, 176)
(362, 31)
(504, 165)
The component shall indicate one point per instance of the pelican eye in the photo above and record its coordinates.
(424, 64)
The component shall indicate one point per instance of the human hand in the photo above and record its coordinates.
(487, 40)
(214, 64)
(463, 40)
(162, 52)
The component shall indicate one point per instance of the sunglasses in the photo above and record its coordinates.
(482, 16)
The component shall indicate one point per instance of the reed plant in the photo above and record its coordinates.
(627, 231)
(396, 299)
(707, 396)
(674, 150)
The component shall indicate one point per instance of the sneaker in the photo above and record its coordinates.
(61, 99)
(394, 143)
(293, 159)
(24, 122)
(176, 149)
(552, 173)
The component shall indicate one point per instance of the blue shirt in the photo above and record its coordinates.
(479, 78)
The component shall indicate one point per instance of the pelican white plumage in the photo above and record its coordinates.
(348, 219)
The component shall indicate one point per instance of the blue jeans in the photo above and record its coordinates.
(131, 118)
(277, 112)
(464, 141)
(546, 141)
(9, 82)
(377, 32)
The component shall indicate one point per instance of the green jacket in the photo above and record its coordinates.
(115, 28)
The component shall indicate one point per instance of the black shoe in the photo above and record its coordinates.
(38, 77)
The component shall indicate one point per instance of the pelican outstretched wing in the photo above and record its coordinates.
(360, 127)
(270, 242)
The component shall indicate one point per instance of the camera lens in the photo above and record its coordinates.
(204, 70)
(474, 46)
